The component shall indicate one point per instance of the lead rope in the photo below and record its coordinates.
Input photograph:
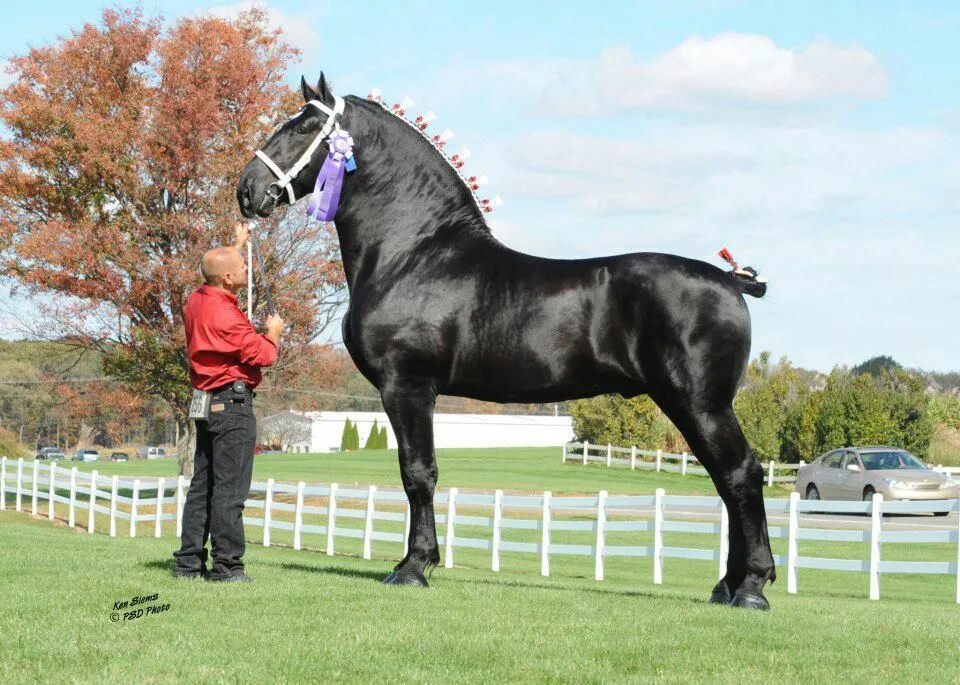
(263, 274)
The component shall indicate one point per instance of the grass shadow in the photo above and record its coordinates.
(330, 570)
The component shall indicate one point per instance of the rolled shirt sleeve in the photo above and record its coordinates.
(251, 347)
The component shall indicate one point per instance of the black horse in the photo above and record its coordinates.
(439, 306)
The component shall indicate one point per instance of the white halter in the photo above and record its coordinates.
(284, 179)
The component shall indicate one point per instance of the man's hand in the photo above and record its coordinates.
(275, 326)
(242, 231)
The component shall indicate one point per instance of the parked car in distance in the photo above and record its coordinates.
(119, 456)
(854, 473)
(152, 453)
(86, 455)
(50, 453)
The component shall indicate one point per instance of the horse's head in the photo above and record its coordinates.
(258, 190)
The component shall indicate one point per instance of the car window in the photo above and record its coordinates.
(849, 458)
(878, 461)
(832, 460)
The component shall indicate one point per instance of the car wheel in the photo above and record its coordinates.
(812, 492)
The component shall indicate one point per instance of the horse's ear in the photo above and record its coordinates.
(324, 90)
(308, 92)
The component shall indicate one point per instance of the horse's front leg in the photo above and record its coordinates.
(409, 405)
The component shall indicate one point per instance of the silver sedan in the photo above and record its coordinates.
(854, 473)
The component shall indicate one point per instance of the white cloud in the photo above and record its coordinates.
(729, 69)
(297, 28)
(736, 67)
(723, 172)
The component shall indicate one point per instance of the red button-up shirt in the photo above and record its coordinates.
(221, 342)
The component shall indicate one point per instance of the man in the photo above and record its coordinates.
(226, 355)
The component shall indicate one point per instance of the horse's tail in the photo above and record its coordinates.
(746, 278)
(749, 282)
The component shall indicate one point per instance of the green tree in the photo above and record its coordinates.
(346, 437)
(384, 440)
(634, 421)
(373, 439)
(762, 406)
(876, 366)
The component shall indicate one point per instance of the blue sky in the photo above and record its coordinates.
(819, 141)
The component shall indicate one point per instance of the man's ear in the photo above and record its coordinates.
(308, 92)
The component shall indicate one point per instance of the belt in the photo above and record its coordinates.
(237, 391)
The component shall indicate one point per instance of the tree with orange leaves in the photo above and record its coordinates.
(123, 146)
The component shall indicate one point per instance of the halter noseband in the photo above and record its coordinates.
(283, 182)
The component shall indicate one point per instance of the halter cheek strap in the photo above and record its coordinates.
(284, 180)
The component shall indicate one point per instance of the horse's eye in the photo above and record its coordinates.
(301, 131)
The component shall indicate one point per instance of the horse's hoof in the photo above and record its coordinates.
(750, 600)
(720, 594)
(406, 578)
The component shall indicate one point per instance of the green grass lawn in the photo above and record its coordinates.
(310, 617)
(517, 469)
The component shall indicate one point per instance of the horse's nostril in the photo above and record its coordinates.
(245, 199)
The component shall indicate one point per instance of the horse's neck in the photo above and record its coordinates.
(404, 201)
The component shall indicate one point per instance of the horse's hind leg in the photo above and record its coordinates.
(719, 444)
(410, 406)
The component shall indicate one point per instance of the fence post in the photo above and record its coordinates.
(72, 516)
(957, 506)
(601, 538)
(563, 457)
(545, 539)
(33, 493)
(93, 502)
(406, 529)
(659, 458)
(159, 512)
(770, 475)
(451, 531)
(875, 518)
(298, 515)
(114, 486)
(180, 501)
(368, 523)
(609, 454)
(53, 489)
(794, 524)
(134, 501)
(586, 446)
(3, 482)
(724, 539)
(683, 464)
(658, 537)
(498, 523)
(19, 484)
(633, 457)
(331, 518)
(267, 505)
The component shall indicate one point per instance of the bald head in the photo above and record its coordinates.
(224, 267)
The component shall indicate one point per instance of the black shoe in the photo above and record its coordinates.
(189, 575)
(238, 577)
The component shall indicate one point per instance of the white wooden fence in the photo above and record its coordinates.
(38, 481)
(658, 460)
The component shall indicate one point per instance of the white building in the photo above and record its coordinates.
(321, 431)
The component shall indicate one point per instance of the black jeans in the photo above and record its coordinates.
(222, 468)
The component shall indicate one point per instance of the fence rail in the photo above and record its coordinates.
(585, 453)
(30, 483)
(658, 460)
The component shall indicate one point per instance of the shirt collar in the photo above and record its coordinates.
(218, 292)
